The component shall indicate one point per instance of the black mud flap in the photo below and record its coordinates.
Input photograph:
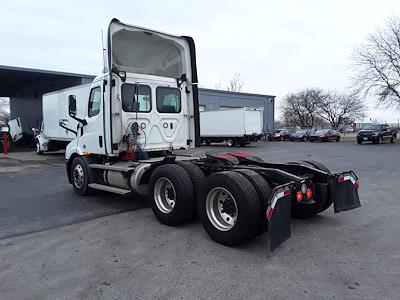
(278, 215)
(343, 190)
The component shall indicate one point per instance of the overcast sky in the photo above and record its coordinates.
(277, 46)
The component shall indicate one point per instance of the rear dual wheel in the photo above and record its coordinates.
(173, 192)
(229, 208)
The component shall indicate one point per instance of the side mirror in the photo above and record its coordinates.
(72, 106)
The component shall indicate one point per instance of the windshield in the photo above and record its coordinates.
(372, 127)
(322, 131)
(302, 131)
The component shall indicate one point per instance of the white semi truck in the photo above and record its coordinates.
(13, 130)
(53, 135)
(236, 126)
(143, 107)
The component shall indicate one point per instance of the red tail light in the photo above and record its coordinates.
(309, 193)
(299, 196)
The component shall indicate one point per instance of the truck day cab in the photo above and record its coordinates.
(143, 107)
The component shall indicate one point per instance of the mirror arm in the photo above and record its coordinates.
(83, 121)
(66, 128)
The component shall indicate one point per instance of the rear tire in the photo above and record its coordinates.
(229, 208)
(171, 194)
(263, 191)
(392, 140)
(197, 177)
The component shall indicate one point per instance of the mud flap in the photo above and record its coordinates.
(278, 215)
(343, 189)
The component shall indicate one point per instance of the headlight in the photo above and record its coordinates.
(277, 135)
(375, 133)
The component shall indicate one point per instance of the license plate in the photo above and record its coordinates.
(365, 139)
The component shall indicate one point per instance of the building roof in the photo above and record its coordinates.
(13, 79)
(234, 93)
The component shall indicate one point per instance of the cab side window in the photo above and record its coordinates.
(94, 102)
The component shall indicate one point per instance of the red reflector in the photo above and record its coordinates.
(286, 192)
(269, 213)
(340, 178)
(357, 185)
(299, 196)
(309, 193)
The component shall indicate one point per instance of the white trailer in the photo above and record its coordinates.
(53, 135)
(143, 107)
(233, 126)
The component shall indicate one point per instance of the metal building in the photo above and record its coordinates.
(25, 88)
(217, 99)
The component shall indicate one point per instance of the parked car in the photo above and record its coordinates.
(302, 135)
(377, 134)
(280, 135)
(325, 135)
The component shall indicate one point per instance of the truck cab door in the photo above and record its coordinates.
(91, 135)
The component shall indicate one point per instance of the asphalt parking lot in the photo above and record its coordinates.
(57, 245)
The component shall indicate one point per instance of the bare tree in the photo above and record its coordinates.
(341, 109)
(377, 65)
(236, 83)
(301, 108)
(218, 86)
(4, 110)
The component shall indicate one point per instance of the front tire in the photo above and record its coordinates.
(230, 143)
(171, 194)
(38, 151)
(229, 208)
(81, 175)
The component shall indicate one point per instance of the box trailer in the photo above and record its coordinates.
(237, 126)
(55, 133)
(139, 111)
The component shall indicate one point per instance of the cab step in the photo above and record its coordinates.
(107, 188)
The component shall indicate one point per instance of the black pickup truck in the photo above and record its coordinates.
(377, 134)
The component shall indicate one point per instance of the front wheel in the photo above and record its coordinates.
(359, 142)
(38, 151)
(81, 175)
(230, 143)
(393, 139)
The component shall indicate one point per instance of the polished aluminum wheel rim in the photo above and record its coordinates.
(78, 176)
(221, 209)
(164, 195)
